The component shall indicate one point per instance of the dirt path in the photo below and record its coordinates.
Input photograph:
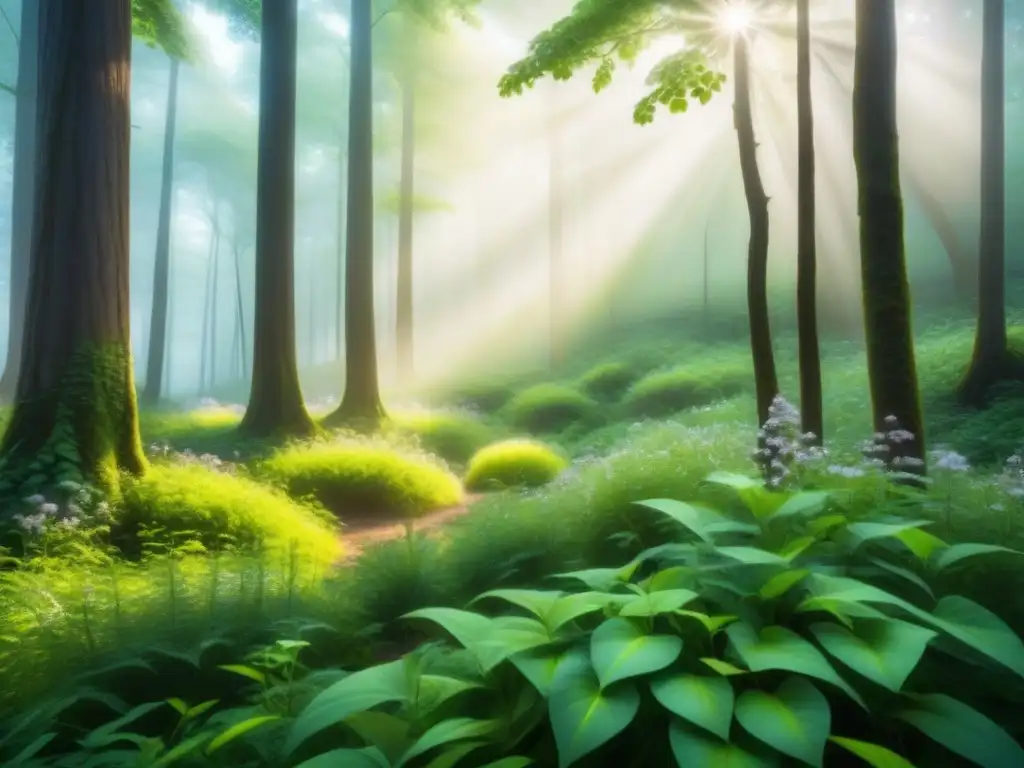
(359, 535)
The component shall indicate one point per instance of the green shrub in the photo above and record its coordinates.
(512, 464)
(484, 396)
(361, 478)
(453, 436)
(547, 408)
(790, 633)
(665, 392)
(183, 501)
(608, 381)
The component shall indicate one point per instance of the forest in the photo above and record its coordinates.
(508, 383)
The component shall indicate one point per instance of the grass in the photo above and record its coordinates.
(690, 386)
(359, 478)
(513, 464)
(65, 611)
(606, 382)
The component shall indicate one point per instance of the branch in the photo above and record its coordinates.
(8, 89)
(382, 15)
(10, 26)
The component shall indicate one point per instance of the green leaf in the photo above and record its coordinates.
(359, 691)
(885, 652)
(367, 757)
(245, 671)
(539, 666)
(491, 641)
(872, 754)
(676, 577)
(781, 583)
(921, 543)
(30, 750)
(762, 503)
(804, 503)
(447, 732)
(957, 552)
(655, 603)
(723, 668)
(782, 649)
(980, 629)
(695, 518)
(239, 729)
(110, 732)
(584, 715)
(602, 579)
(711, 623)
(868, 531)
(173, 755)
(386, 732)
(510, 762)
(796, 720)
(695, 749)
(963, 730)
(753, 556)
(453, 756)
(179, 706)
(201, 708)
(536, 601)
(703, 701)
(571, 607)
(619, 649)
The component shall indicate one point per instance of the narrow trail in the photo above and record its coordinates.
(358, 535)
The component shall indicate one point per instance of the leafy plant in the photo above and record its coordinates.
(792, 633)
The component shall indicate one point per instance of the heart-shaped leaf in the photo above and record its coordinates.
(704, 701)
(956, 552)
(963, 730)
(692, 748)
(655, 603)
(872, 754)
(885, 652)
(620, 649)
(796, 720)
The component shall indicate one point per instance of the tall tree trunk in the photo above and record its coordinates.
(169, 346)
(556, 268)
(887, 305)
(240, 313)
(275, 398)
(339, 304)
(162, 264)
(962, 263)
(75, 415)
(991, 359)
(208, 298)
(361, 405)
(214, 325)
(765, 379)
(23, 193)
(811, 411)
(404, 308)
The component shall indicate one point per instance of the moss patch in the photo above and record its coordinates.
(219, 510)
(548, 408)
(513, 463)
(359, 479)
(665, 392)
(454, 436)
(608, 381)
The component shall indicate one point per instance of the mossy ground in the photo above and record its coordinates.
(62, 610)
(513, 464)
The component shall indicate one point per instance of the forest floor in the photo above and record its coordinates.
(359, 535)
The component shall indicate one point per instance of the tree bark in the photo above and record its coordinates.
(811, 410)
(361, 405)
(23, 193)
(214, 325)
(240, 313)
(887, 304)
(204, 344)
(275, 398)
(162, 264)
(75, 415)
(765, 379)
(404, 279)
(991, 360)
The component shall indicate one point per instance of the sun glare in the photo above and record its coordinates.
(735, 17)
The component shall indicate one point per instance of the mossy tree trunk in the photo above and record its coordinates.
(991, 360)
(361, 404)
(162, 264)
(75, 414)
(887, 305)
(404, 277)
(765, 378)
(275, 398)
(811, 411)
(23, 193)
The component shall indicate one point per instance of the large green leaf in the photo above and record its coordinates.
(885, 651)
(803, 504)
(571, 607)
(536, 601)
(111, 732)
(781, 583)
(620, 649)
(447, 732)
(695, 518)
(980, 629)
(872, 754)
(539, 666)
(239, 729)
(491, 641)
(602, 579)
(796, 720)
(956, 552)
(782, 649)
(367, 757)
(762, 503)
(963, 730)
(693, 748)
(388, 733)
(655, 603)
(869, 531)
(702, 700)
(753, 556)
(584, 715)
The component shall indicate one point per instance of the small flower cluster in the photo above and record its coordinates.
(79, 506)
(888, 450)
(948, 460)
(209, 460)
(1012, 477)
(782, 448)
